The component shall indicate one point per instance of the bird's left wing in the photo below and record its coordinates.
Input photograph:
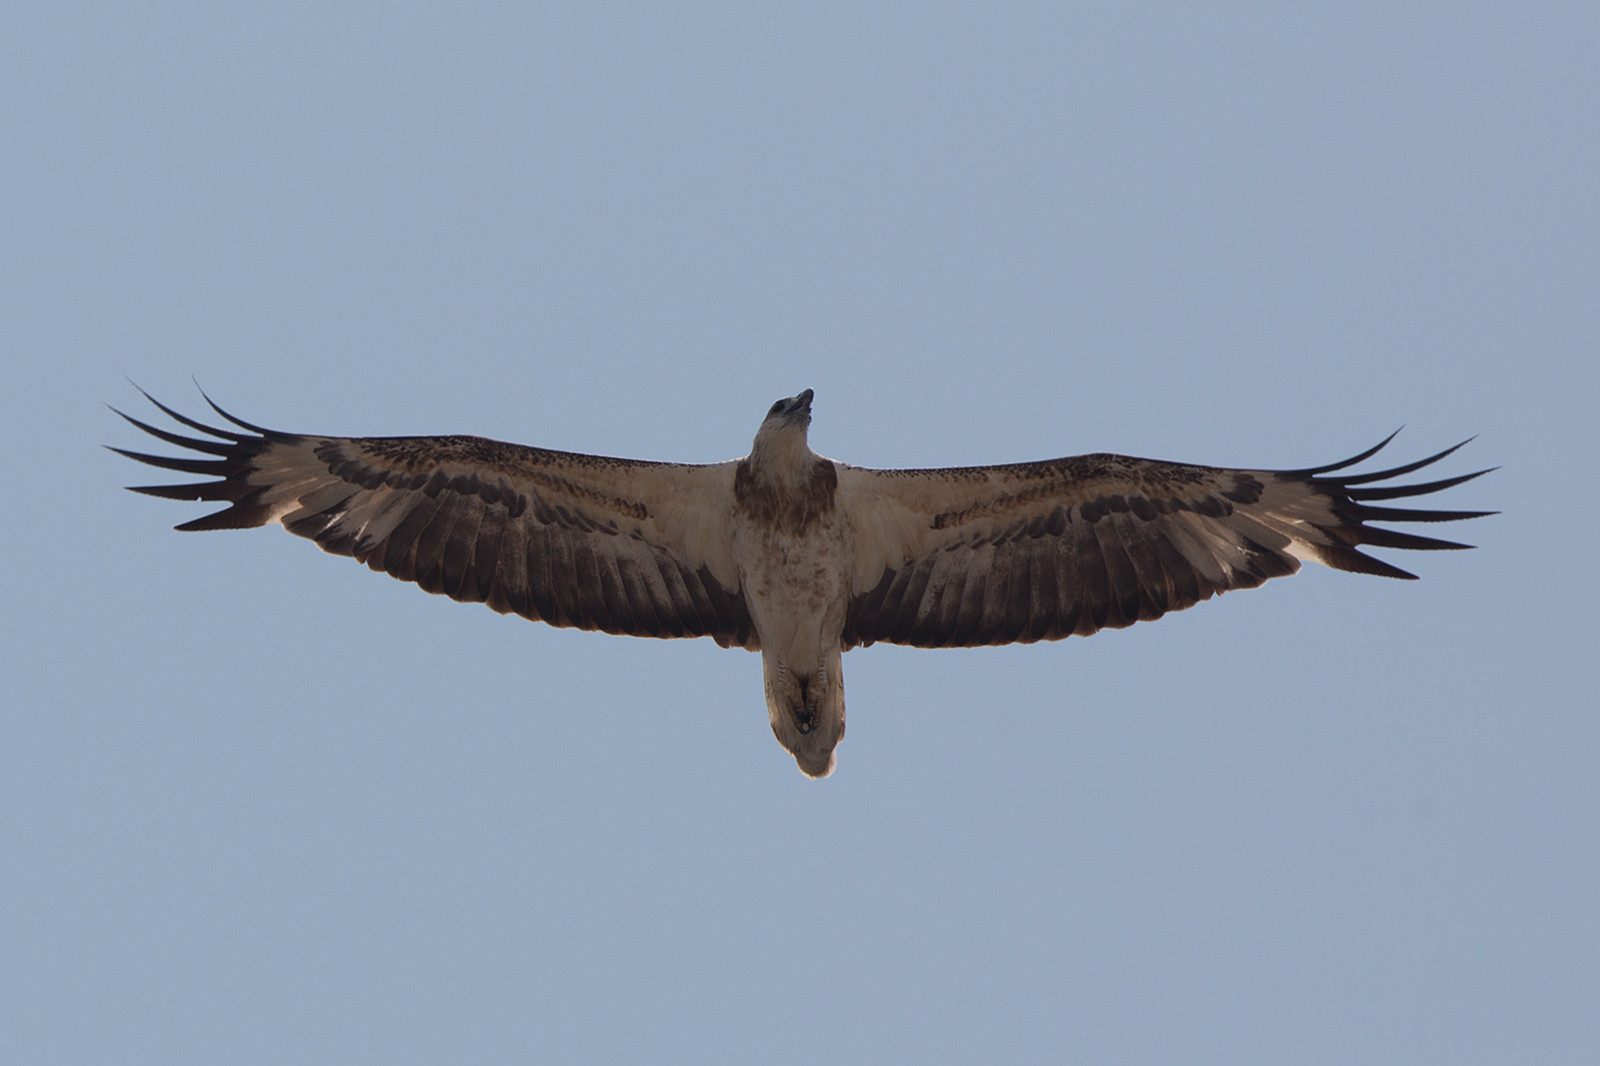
(620, 545)
(1040, 551)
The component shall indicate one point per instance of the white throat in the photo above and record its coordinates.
(780, 455)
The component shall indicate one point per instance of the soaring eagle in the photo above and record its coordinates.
(788, 553)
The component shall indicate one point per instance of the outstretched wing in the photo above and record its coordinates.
(1040, 551)
(618, 545)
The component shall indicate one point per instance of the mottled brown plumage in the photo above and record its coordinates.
(792, 554)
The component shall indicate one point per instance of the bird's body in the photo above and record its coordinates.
(794, 555)
(792, 546)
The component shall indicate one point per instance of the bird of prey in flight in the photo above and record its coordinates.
(793, 555)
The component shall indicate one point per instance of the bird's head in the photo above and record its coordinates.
(794, 411)
(782, 436)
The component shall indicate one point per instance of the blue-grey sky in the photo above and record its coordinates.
(260, 805)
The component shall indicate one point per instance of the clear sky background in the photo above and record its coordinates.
(260, 805)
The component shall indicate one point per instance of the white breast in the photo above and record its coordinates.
(797, 587)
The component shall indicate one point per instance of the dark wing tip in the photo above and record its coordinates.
(1352, 511)
(183, 419)
(241, 423)
(1396, 492)
(181, 464)
(231, 458)
(1398, 471)
(1360, 457)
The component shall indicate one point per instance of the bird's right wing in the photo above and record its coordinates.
(619, 545)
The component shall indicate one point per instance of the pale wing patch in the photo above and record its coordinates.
(885, 530)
